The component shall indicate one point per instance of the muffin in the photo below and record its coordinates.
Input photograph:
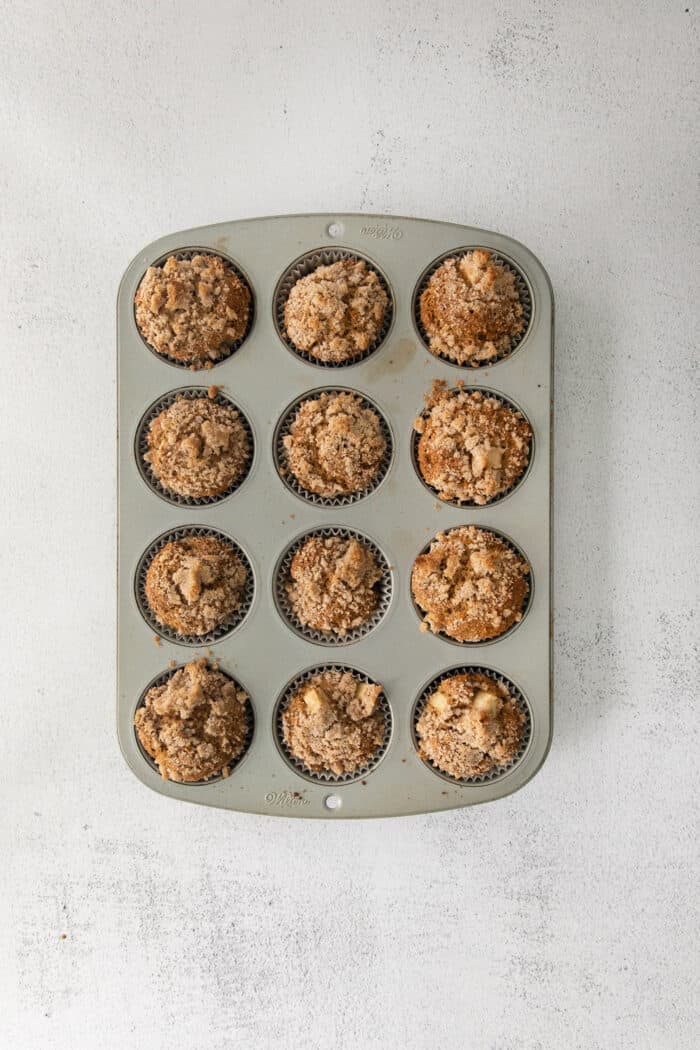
(471, 310)
(194, 724)
(196, 584)
(335, 445)
(336, 312)
(334, 723)
(472, 447)
(197, 447)
(192, 310)
(470, 585)
(333, 584)
(470, 725)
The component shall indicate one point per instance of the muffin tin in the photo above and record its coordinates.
(263, 376)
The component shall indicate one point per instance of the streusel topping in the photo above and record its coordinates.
(333, 584)
(470, 725)
(198, 447)
(194, 724)
(470, 584)
(192, 309)
(336, 312)
(195, 584)
(472, 447)
(335, 445)
(471, 309)
(333, 723)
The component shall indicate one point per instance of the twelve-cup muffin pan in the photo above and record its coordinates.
(266, 515)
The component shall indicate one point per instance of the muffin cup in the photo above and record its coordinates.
(191, 393)
(280, 455)
(524, 294)
(227, 348)
(528, 598)
(470, 504)
(192, 640)
(233, 764)
(298, 766)
(331, 638)
(305, 265)
(516, 694)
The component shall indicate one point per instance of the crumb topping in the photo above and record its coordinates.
(336, 312)
(195, 584)
(470, 584)
(470, 725)
(333, 723)
(194, 724)
(192, 309)
(470, 308)
(471, 447)
(335, 445)
(197, 447)
(333, 584)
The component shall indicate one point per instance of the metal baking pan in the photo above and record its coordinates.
(263, 651)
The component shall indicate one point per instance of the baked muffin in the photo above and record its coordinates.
(334, 723)
(472, 447)
(335, 445)
(470, 309)
(470, 725)
(333, 584)
(194, 724)
(336, 312)
(192, 310)
(470, 585)
(195, 584)
(197, 447)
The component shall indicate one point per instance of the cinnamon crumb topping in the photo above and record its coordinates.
(333, 723)
(335, 445)
(336, 312)
(193, 724)
(470, 584)
(470, 725)
(471, 309)
(195, 584)
(333, 584)
(192, 309)
(472, 447)
(197, 447)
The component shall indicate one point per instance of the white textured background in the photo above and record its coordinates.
(562, 917)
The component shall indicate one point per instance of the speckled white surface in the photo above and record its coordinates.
(560, 917)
